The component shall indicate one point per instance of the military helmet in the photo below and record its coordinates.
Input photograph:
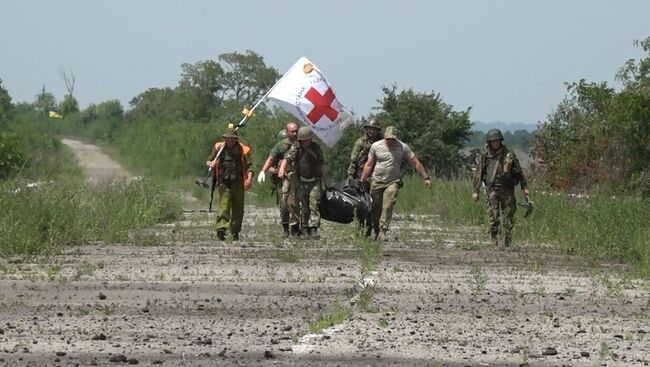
(493, 134)
(282, 134)
(304, 133)
(372, 123)
(230, 132)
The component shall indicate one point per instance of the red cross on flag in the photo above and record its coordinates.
(304, 92)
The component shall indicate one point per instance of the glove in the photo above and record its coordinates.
(261, 177)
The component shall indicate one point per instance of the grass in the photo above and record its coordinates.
(336, 316)
(70, 213)
(599, 227)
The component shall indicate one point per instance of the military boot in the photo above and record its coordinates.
(285, 229)
(313, 233)
(221, 234)
(494, 236)
(383, 236)
(295, 230)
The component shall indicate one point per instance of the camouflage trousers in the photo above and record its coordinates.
(384, 197)
(231, 205)
(290, 200)
(310, 193)
(501, 207)
(282, 201)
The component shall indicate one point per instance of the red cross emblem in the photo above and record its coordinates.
(322, 105)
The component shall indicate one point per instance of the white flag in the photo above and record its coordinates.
(304, 92)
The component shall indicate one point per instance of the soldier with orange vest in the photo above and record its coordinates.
(233, 175)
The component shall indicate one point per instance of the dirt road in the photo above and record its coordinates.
(436, 295)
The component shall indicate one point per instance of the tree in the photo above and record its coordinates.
(435, 132)
(45, 101)
(598, 136)
(6, 107)
(246, 77)
(200, 89)
(69, 103)
(159, 103)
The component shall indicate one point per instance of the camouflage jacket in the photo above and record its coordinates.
(359, 155)
(498, 169)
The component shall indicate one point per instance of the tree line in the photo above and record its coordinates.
(596, 138)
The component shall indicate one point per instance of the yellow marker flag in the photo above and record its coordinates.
(247, 112)
(55, 115)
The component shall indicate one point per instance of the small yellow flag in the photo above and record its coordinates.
(55, 115)
(247, 112)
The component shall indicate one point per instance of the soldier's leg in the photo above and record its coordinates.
(368, 220)
(237, 204)
(389, 201)
(290, 188)
(509, 208)
(315, 193)
(493, 202)
(223, 212)
(377, 196)
(304, 205)
(284, 209)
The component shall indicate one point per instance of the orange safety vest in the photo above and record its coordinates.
(244, 152)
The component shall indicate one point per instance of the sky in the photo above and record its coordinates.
(508, 60)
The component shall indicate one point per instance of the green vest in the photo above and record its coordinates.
(307, 162)
(231, 164)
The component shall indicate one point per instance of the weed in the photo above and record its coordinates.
(383, 323)
(336, 316)
(605, 351)
(53, 270)
(569, 291)
(539, 289)
(81, 311)
(84, 269)
(477, 280)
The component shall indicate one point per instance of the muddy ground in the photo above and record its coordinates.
(437, 295)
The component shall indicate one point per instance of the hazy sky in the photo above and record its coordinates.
(507, 59)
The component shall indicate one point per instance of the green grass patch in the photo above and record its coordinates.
(336, 316)
(70, 213)
(600, 227)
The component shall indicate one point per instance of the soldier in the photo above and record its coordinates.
(361, 148)
(286, 186)
(359, 157)
(233, 176)
(385, 160)
(305, 161)
(499, 170)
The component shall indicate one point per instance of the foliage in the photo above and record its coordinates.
(430, 126)
(67, 213)
(599, 227)
(209, 90)
(68, 105)
(45, 101)
(598, 137)
(6, 107)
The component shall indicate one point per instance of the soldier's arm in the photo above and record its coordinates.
(267, 164)
(210, 162)
(415, 162)
(478, 176)
(520, 172)
(367, 168)
(352, 169)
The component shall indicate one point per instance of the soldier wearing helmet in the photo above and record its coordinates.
(361, 148)
(232, 176)
(287, 188)
(499, 170)
(305, 162)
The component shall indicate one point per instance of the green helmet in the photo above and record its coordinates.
(493, 134)
(304, 133)
(282, 134)
(231, 132)
(373, 123)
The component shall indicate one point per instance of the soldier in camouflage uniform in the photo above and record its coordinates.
(499, 170)
(305, 161)
(359, 157)
(361, 148)
(289, 186)
(233, 175)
